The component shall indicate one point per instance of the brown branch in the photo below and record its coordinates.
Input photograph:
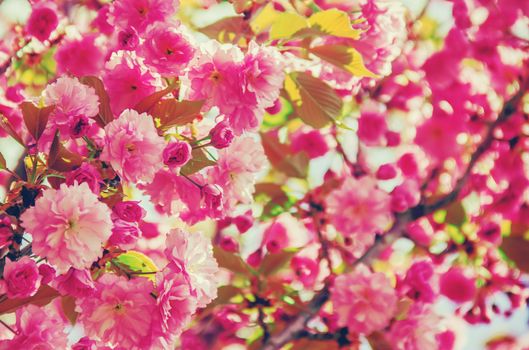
(297, 326)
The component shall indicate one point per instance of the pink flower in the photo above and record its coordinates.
(141, 13)
(174, 306)
(42, 21)
(311, 142)
(436, 131)
(128, 39)
(177, 154)
(405, 196)
(120, 312)
(21, 278)
(124, 234)
(359, 207)
(166, 49)
(77, 283)
(6, 234)
(490, 232)
(71, 99)
(78, 126)
(275, 237)
(420, 283)
(88, 174)
(68, 226)
(229, 244)
(85, 343)
(306, 270)
(133, 147)
(236, 170)
(372, 128)
(127, 80)
(79, 57)
(417, 331)
(264, 73)
(193, 254)
(37, 328)
(129, 211)
(244, 222)
(456, 286)
(212, 198)
(221, 135)
(363, 301)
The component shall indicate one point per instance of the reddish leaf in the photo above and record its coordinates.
(105, 115)
(199, 160)
(60, 158)
(279, 154)
(44, 295)
(231, 261)
(8, 128)
(148, 102)
(171, 112)
(3, 164)
(228, 30)
(315, 102)
(517, 249)
(35, 118)
(378, 341)
(68, 307)
(274, 262)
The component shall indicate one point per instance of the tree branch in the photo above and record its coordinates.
(297, 327)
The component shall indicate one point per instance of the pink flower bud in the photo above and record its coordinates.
(229, 244)
(275, 108)
(386, 172)
(456, 286)
(392, 138)
(128, 39)
(490, 232)
(42, 21)
(212, 197)
(129, 211)
(21, 278)
(243, 222)
(177, 154)
(221, 135)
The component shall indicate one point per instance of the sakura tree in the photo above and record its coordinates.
(205, 175)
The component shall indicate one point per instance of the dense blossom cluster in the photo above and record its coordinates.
(309, 174)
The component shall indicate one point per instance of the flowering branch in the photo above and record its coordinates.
(297, 326)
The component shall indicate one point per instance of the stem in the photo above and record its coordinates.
(192, 181)
(8, 327)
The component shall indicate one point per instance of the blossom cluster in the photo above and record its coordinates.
(298, 174)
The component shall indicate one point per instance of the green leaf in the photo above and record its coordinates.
(232, 262)
(344, 57)
(105, 115)
(315, 102)
(274, 262)
(199, 160)
(137, 262)
(35, 118)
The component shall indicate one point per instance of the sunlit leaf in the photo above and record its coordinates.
(334, 22)
(315, 102)
(344, 57)
(35, 118)
(264, 19)
(3, 163)
(229, 30)
(287, 24)
(148, 102)
(199, 160)
(138, 262)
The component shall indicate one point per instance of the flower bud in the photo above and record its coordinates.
(129, 211)
(177, 154)
(221, 135)
(212, 196)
